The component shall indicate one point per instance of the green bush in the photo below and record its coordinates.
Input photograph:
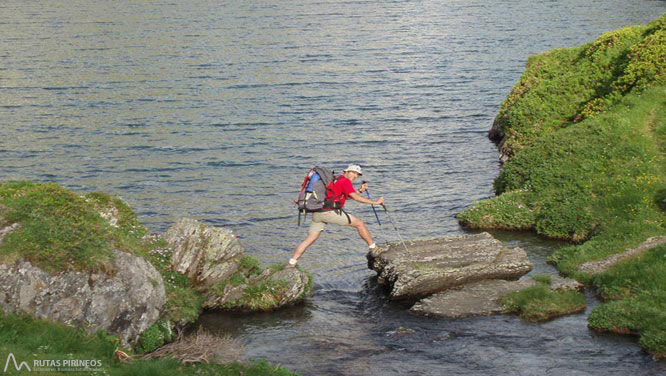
(159, 334)
(184, 305)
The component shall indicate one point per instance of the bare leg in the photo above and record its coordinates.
(309, 240)
(362, 229)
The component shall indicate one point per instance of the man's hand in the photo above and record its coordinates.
(380, 201)
(364, 187)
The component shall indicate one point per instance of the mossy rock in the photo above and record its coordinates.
(274, 288)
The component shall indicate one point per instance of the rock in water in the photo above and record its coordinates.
(213, 259)
(268, 291)
(206, 254)
(430, 266)
(125, 304)
(478, 298)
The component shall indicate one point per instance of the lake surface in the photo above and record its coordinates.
(215, 110)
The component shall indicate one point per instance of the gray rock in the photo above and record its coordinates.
(431, 266)
(481, 298)
(210, 256)
(478, 298)
(279, 288)
(561, 283)
(125, 304)
(206, 254)
(600, 266)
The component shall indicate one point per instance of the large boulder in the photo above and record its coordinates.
(430, 266)
(215, 261)
(125, 303)
(206, 254)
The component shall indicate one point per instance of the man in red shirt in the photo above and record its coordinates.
(345, 189)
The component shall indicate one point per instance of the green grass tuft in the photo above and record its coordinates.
(565, 86)
(510, 211)
(540, 303)
(262, 296)
(159, 334)
(58, 229)
(543, 278)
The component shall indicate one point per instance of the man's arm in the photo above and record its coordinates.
(357, 197)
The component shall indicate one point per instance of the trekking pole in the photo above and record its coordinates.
(367, 192)
(395, 227)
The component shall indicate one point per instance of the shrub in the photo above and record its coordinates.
(160, 333)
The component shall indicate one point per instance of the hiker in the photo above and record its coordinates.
(345, 189)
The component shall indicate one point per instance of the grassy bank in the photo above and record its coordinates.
(63, 231)
(29, 340)
(59, 230)
(585, 133)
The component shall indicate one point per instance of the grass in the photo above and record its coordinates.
(637, 294)
(540, 303)
(585, 130)
(564, 86)
(261, 296)
(58, 229)
(29, 339)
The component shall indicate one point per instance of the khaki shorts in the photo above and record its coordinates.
(320, 219)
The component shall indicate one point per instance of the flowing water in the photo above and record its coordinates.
(215, 109)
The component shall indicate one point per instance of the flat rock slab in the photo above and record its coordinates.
(434, 265)
(478, 298)
(600, 266)
(481, 298)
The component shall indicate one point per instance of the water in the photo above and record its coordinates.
(214, 110)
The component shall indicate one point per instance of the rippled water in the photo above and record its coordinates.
(214, 110)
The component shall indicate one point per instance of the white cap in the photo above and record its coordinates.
(355, 168)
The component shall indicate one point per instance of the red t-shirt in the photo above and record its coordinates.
(343, 188)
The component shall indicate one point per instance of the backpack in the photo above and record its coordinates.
(317, 192)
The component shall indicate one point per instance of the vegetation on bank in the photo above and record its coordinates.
(541, 303)
(585, 129)
(59, 230)
(29, 339)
